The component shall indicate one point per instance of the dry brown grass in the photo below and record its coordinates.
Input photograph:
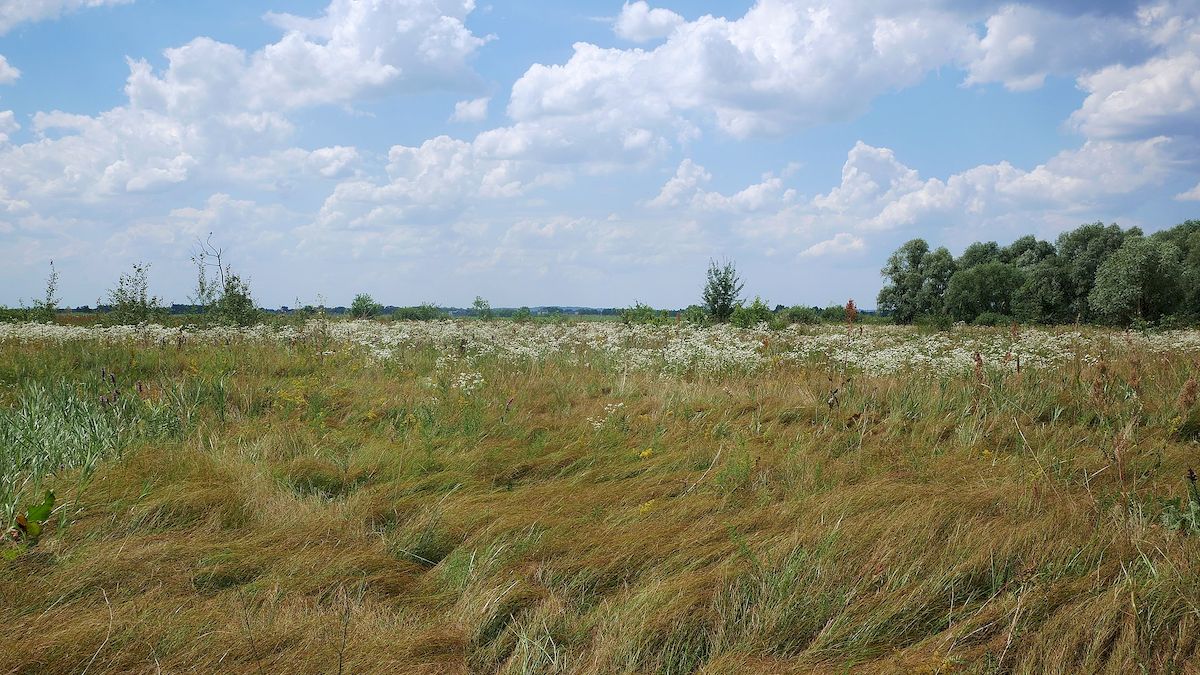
(322, 512)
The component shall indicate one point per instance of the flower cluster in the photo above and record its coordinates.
(467, 382)
(670, 349)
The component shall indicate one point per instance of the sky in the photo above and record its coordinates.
(590, 153)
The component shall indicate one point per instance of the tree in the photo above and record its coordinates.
(220, 293)
(46, 308)
(979, 253)
(1186, 237)
(483, 309)
(235, 305)
(1083, 250)
(131, 300)
(1027, 252)
(364, 307)
(1042, 296)
(917, 281)
(721, 291)
(984, 288)
(1138, 281)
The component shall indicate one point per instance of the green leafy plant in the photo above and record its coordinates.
(1183, 515)
(721, 290)
(641, 313)
(29, 525)
(131, 300)
(364, 306)
(749, 316)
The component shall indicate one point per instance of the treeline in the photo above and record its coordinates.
(1096, 273)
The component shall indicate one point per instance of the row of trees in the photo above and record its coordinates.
(1096, 273)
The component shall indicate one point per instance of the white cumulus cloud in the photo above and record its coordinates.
(841, 244)
(8, 73)
(474, 110)
(8, 125)
(1158, 97)
(1192, 195)
(13, 12)
(637, 22)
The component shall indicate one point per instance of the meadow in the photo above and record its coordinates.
(596, 497)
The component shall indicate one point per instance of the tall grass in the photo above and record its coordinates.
(53, 428)
(400, 516)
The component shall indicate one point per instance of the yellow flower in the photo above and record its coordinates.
(647, 507)
(646, 454)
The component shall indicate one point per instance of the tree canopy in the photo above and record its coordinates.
(1094, 273)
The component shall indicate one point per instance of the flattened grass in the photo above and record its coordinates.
(276, 509)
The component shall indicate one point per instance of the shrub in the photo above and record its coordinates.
(993, 319)
(834, 314)
(235, 306)
(694, 314)
(483, 309)
(523, 315)
(934, 322)
(753, 314)
(798, 314)
(721, 291)
(131, 301)
(642, 313)
(364, 307)
(423, 312)
(47, 308)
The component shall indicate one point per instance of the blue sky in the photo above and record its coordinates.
(592, 153)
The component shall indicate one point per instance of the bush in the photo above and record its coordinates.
(523, 315)
(993, 319)
(482, 308)
(721, 291)
(235, 306)
(798, 314)
(131, 300)
(934, 322)
(364, 307)
(834, 314)
(423, 312)
(642, 313)
(749, 316)
(1177, 322)
(694, 314)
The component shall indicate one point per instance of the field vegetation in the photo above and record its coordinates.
(524, 497)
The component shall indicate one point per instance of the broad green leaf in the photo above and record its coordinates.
(41, 512)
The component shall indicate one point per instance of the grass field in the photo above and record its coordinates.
(597, 498)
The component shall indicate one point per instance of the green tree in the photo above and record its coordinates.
(483, 309)
(721, 291)
(917, 279)
(1082, 251)
(979, 253)
(1042, 296)
(220, 293)
(364, 306)
(1027, 252)
(1138, 281)
(984, 288)
(47, 308)
(1186, 237)
(235, 306)
(130, 301)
